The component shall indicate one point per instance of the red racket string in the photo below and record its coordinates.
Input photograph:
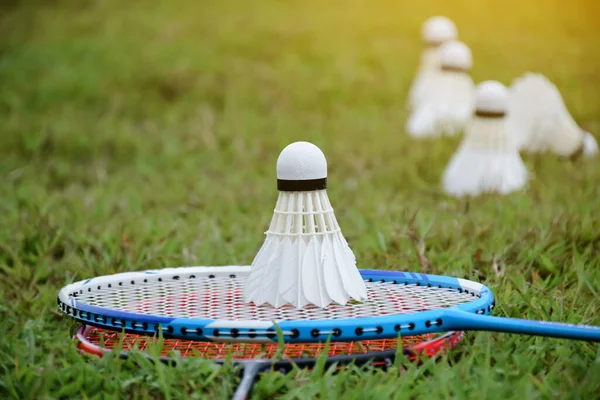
(96, 341)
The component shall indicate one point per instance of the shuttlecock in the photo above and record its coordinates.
(590, 146)
(450, 96)
(436, 31)
(539, 121)
(488, 159)
(304, 259)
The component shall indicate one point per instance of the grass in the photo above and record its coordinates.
(144, 134)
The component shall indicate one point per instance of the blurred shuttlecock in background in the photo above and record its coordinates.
(590, 145)
(436, 31)
(539, 121)
(448, 104)
(488, 159)
(305, 258)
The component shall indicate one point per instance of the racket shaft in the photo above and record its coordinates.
(455, 319)
(251, 370)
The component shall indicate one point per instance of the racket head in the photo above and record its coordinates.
(98, 341)
(206, 304)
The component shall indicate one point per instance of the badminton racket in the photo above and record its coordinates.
(206, 303)
(255, 358)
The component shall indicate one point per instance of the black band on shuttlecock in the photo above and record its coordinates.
(453, 69)
(301, 185)
(489, 114)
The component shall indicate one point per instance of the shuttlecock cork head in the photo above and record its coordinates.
(437, 30)
(455, 56)
(491, 99)
(301, 166)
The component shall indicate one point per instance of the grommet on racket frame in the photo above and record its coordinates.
(206, 303)
(255, 358)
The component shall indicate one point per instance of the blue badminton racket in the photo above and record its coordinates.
(206, 303)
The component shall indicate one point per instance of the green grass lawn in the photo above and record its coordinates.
(144, 134)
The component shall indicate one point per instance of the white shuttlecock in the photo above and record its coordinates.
(488, 159)
(436, 31)
(448, 105)
(590, 146)
(305, 258)
(539, 121)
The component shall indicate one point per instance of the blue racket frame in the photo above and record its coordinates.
(471, 315)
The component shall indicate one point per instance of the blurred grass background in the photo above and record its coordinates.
(144, 134)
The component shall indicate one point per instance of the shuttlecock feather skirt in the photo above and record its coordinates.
(305, 258)
(590, 146)
(445, 106)
(429, 65)
(487, 161)
(539, 121)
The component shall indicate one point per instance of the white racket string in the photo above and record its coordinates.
(222, 298)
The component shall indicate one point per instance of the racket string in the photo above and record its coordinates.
(221, 298)
(111, 340)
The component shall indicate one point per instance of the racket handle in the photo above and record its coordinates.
(462, 320)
